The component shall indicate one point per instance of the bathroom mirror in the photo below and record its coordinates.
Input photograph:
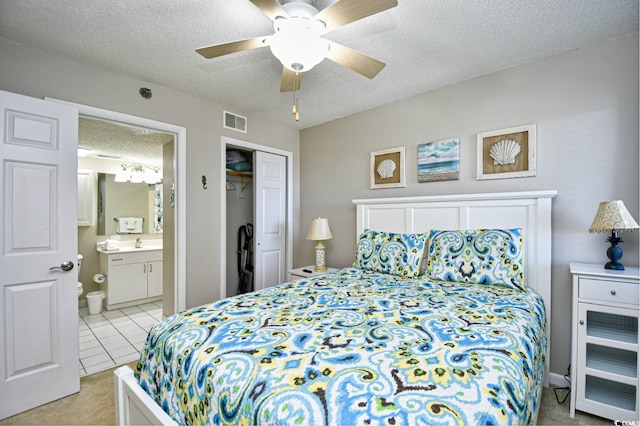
(127, 199)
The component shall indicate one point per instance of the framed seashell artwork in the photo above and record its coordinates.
(507, 153)
(387, 168)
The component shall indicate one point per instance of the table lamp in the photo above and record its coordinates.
(319, 231)
(613, 216)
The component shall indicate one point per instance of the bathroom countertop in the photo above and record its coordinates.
(127, 249)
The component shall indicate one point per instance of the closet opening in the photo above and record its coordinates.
(239, 196)
(256, 212)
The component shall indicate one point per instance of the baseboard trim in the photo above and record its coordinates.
(557, 380)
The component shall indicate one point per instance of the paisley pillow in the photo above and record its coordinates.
(390, 253)
(480, 256)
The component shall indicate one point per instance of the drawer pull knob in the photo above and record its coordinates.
(581, 322)
(613, 292)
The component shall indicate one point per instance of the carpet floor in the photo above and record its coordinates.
(94, 405)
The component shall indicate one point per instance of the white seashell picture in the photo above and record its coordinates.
(386, 168)
(505, 152)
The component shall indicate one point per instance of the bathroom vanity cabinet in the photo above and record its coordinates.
(133, 276)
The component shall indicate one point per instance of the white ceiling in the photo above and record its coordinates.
(426, 44)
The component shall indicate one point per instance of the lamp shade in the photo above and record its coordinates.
(319, 230)
(613, 215)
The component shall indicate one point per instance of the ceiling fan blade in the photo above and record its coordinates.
(233, 47)
(354, 60)
(290, 81)
(271, 8)
(344, 12)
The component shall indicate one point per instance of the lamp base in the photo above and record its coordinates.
(614, 253)
(321, 266)
(616, 266)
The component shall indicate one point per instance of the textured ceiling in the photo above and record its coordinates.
(104, 139)
(426, 44)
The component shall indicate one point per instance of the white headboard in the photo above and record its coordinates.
(529, 210)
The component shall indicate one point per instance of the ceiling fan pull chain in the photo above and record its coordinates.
(294, 109)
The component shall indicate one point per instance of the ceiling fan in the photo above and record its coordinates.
(297, 42)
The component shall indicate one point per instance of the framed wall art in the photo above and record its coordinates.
(507, 153)
(387, 168)
(439, 161)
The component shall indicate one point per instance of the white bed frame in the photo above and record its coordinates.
(529, 210)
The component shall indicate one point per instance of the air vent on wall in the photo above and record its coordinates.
(235, 122)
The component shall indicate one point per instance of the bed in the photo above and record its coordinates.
(452, 330)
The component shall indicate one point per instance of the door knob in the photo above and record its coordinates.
(67, 265)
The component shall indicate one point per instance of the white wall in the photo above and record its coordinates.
(39, 74)
(585, 106)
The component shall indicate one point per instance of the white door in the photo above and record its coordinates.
(38, 231)
(270, 217)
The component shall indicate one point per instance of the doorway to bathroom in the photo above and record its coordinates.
(128, 322)
(121, 210)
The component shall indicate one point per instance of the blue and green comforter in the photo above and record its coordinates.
(352, 347)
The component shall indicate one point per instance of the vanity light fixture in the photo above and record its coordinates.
(138, 173)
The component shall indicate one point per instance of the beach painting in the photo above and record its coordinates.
(439, 161)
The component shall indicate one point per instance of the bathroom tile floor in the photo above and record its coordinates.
(115, 337)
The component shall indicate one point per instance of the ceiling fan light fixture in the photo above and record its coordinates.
(296, 45)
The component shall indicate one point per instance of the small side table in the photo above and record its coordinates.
(605, 342)
(307, 271)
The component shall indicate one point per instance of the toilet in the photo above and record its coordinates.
(79, 283)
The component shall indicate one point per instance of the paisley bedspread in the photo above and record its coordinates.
(352, 347)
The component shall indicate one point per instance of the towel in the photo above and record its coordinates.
(112, 245)
(129, 225)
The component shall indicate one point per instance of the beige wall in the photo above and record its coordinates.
(585, 106)
(39, 74)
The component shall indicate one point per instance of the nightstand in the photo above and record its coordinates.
(605, 342)
(296, 274)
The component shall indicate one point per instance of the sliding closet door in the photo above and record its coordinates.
(270, 202)
(38, 253)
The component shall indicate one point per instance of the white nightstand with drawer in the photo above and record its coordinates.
(605, 342)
